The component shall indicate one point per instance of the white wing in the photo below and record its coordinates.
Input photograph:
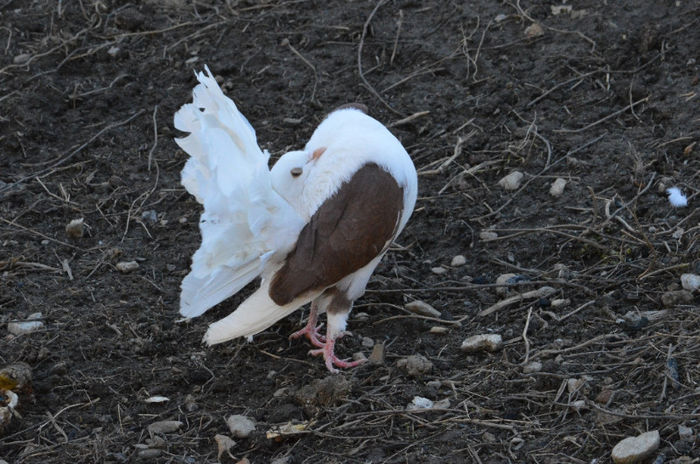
(245, 222)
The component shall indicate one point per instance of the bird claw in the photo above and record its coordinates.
(312, 334)
(332, 360)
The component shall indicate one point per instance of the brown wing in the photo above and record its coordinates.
(348, 230)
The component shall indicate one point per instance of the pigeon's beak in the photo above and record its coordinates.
(317, 153)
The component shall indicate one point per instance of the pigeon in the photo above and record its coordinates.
(313, 228)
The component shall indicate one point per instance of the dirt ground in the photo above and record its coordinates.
(603, 95)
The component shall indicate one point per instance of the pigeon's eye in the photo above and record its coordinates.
(296, 172)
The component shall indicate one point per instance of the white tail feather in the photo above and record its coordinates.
(254, 315)
(244, 221)
(201, 293)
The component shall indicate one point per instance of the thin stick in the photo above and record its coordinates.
(359, 59)
(74, 152)
(612, 115)
(396, 40)
(155, 137)
(527, 342)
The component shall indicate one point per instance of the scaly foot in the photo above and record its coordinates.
(311, 332)
(331, 359)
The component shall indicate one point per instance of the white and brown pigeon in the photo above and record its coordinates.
(314, 227)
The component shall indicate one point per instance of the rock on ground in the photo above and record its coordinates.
(636, 449)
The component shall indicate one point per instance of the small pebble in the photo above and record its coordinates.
(560, 302)
(367, 342)
(500, 18)
(685, 433)
(676, 297)
(127, 266)
(436, 384)
(32, 324)
(511, 181)
(182, 220)
(438, 330)
(534, 366)
(578, 405)
(113, 51)
(149, 453)
(75, 228)
(442, 404)
(438, 270)
(415, 365)
(419, 402)
(458, 260)
(377, 356)
(150, 216)
(359, 356)
(636, 449)
(690, 282)
(240, 426)
(21, 58)
(574, 385)
(559, 9)
(422, 308)
(557, 187)
(604, 396)
(503, 280)
(223, 444)
(488, 235)
(484, 342)
(167, 426)
(534, 30)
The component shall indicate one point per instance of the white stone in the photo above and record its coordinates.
(557, 187)
(690, 282)
(419, 402)
(578, 405)
(484, 342)
(488, 235)
(574, 385)
(511, 181)
(438, 270)
(559, 9)
(422, 308)
(502, 280)
(458, 260)
(127, 266)
(21, 58)
(500, 18)
(167, 426)
(75, 228)
(533, 30)
(240, 426)
(223, 444)
(25, 327)
(534, 366)
(438, 330)
(636, 449)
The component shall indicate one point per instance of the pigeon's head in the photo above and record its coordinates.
(290, 172)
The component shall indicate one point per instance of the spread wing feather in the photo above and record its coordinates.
(245, 222)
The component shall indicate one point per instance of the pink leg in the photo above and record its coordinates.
(331, 359)
(310, 330)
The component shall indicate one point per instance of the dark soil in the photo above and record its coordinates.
(606, 98)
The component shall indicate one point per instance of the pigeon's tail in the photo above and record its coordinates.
(201, 293)
(254, 315)
(222, 145)
(245, 222)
